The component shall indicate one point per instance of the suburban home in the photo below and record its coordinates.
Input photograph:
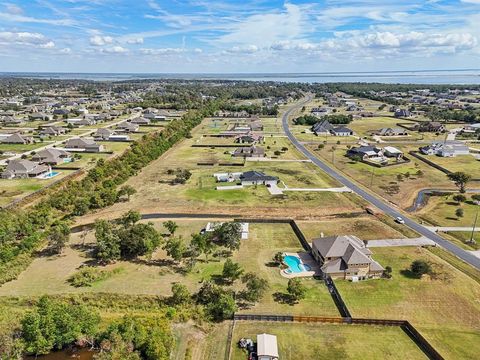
(85, 145)
(319, 112)
(61, 112)
(341, 131)
(365, 152)
(52, 131)
(402, 113)
(472, 128)
(103, 134)
(249, 138)
(21, 169)
(52, 156)
(249, 151)
(257, 178)
(140, 121)
(390, 132)
(39, 116)
(128, 127)
(431, 126)
(322, 128)
(393, 152)
(17, 138)
(267, 347)
(445, 149)
(10, 120)
(345, 257)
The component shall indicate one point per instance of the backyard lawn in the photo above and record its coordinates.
(329, 341)
(443, 307)
(49, 274)
(465, 163)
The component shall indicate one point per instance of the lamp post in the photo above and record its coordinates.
(472, 241)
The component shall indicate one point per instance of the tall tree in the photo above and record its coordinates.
(231, 271)
(58, 236)
(296, 289)
(460, 179)
(228, 235)
(171, 226)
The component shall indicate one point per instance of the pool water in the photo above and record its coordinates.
(49, 175)
(294, 264)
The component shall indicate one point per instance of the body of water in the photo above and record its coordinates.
(468, 76)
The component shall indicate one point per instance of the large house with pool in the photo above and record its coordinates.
(345, 257)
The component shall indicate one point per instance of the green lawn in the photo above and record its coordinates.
(444, 308)
(459, 163)
(327, 341)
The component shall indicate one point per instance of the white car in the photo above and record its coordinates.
(399, 220)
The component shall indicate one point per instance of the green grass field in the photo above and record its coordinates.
(326, 341)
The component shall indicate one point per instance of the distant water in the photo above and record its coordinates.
(468, 76)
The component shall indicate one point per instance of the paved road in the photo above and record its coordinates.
(422, 241)
(376, 201)
(453, 228)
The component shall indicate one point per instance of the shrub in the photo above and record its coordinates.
(420, 267)
(88, 275)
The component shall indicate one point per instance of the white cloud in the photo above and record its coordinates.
(115, 50)
(13, 9)
(98, 40)
(10, 17)
(135, 41)
(161, 51)
(26, 39)
(245, 49)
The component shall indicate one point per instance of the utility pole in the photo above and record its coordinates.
(472, 240)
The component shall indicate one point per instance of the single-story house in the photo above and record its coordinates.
(445, 149)
(227, 177)
(345, 257)
(140, 121)
(52, 131)
(102, 134)
(365, 152)
(342, 131)
(86, 145)
(249, 151)
(257, 178)
(267, 347)
(17, 138)
(322, 128)
(471, 128)
(10, 120)
(390, 132)
(40, 116)
(19, 169)
(128, 127)
(52, 156)
(392, 152)
(249, 138)
(61, 112)
(431, 126)
(402, 113)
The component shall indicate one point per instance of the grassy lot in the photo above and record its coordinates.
(458, 163)
(328, 341)
(364, 126)
(365, 227)
(444, 307)
(49, 274)
(199, 194)
(19, 148)
(440, 211)
(385, 181)
(13, 189)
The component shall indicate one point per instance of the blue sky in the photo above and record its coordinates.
(238, 36)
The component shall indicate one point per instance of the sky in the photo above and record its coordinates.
(232, 36)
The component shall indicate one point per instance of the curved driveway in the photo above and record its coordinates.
(376, 201)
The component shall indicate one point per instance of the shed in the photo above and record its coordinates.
(267, 348)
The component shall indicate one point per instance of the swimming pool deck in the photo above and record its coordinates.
(306, 259)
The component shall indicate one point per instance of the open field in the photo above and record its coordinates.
(465, 163)
(329, 341)
(49, 274)
(365, 227)
(390, 182)
(444, 307)
(363, 127)
(440, 211)
(156, 194)
(20, 148)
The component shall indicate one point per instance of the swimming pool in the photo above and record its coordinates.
(295, 265)
(49, 175)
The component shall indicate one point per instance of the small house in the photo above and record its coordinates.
(249, 151)
(257, 178)
(342, 131)
(52, 156)
(85, 145)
